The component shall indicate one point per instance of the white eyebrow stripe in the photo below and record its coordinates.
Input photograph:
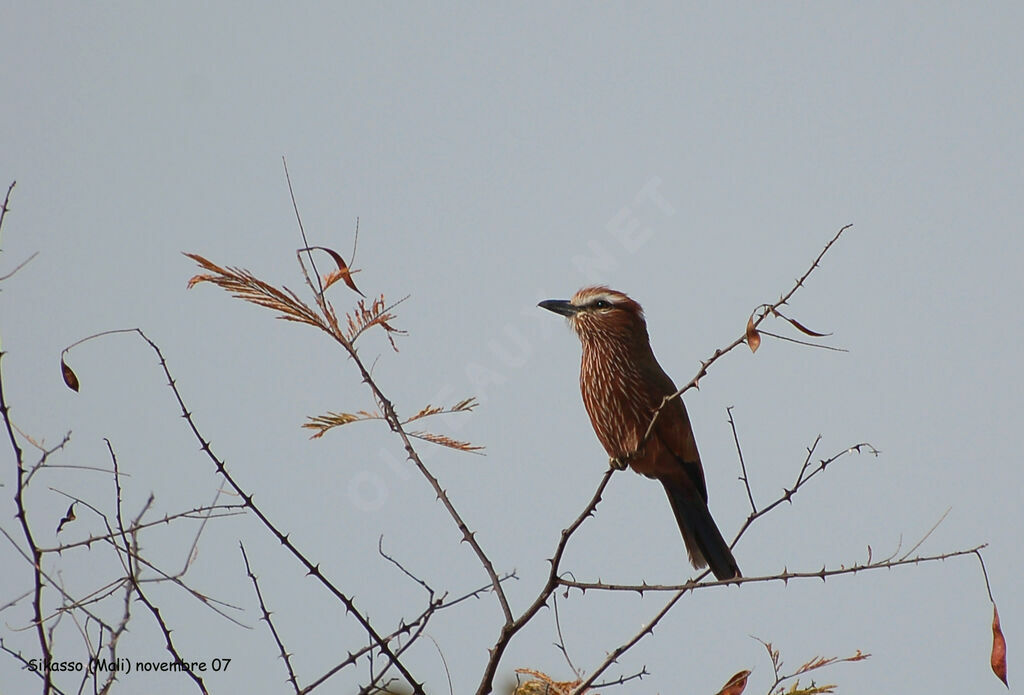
(606, 296)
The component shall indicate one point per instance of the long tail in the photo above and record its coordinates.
(704, 542)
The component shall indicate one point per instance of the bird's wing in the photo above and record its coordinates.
(674, 432)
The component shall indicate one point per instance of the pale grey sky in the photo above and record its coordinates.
(489, 152)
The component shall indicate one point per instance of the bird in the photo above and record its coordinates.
(623, 386)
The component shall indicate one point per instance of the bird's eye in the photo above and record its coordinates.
(602, 304)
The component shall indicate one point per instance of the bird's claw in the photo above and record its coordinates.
(619, 463)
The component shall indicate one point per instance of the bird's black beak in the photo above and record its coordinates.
(559, 306)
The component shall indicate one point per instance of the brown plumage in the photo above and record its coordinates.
(622, 385)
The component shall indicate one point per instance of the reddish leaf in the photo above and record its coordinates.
(998, 648)
(807, 331)
(69, 376)
(800, 327)
(735, 685)
(753, 337)
(342, 273)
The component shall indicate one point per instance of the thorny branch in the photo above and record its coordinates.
(19, 502)
(766, 310)
(802, 478)
(285, 656)
(784, 576)
(743, 465)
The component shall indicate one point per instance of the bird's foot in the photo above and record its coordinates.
(619, 463)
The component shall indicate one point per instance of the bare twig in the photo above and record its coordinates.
(743, 466)
(298, 219)
(115, 637)
(929, 533)
(621, 680)
(402, 569)
(560, 644)
(20, 265)
(6, 206)
(204, 519)
(803, 342)
(22, 516)
(984, 572)
(285, 656)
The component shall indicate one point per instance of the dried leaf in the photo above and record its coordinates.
(342, 273)
(427, 411)
(463, 406)
(196, 279)
(804, 329)
(244, 285)
(812, 689)
(998, 648)
(735, 685)
(69, 517)
(800, 327)
(543, 684)
(69, 376)
(859, 656)
(377, 314)
(444, 440)
(753, 337)
(322, 423)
